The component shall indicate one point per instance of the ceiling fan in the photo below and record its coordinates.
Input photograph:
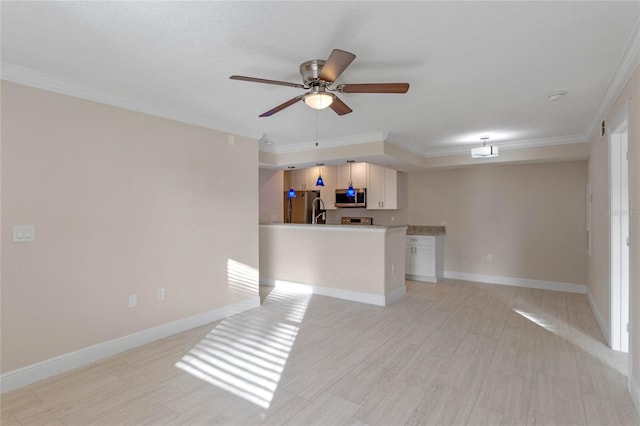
(318, 77)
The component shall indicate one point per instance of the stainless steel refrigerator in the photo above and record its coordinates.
(298, 209)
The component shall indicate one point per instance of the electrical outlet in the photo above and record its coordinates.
(489, 258)
(393, 268)
(160, 294)
(133, 301)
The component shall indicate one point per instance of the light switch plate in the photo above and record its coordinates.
(24, 233)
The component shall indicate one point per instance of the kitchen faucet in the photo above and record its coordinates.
(322, 211)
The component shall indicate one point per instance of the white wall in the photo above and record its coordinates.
(123, 203)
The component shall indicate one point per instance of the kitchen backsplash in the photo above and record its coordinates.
(380, 217)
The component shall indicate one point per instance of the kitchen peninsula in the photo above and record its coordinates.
(360, 263)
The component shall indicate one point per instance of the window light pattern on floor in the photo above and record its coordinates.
(597, 349)
(245, 355)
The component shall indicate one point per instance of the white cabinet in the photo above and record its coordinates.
(424, 259)
(305, 180)
(296, 179)
(312, 178)
(358, 176)
(328, 191)
(382, 188)
(383, 184)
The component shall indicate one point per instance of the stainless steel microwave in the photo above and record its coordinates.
(357, 199)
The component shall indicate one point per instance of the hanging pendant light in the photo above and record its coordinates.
(320, 182)
(292, 192)
(350, 191)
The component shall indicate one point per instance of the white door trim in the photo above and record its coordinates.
(619, 229)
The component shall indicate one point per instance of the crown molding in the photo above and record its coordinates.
(39, 80)
(326, 143)
(412, 147)
(628, 62)
(508, 145)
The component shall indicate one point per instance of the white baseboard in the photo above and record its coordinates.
(50, 367)
(518, 282)
(422, 278)
(396, 294)
(354, 296)
(604, 325)
(634, 390)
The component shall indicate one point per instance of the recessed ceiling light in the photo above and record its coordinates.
(555, 96)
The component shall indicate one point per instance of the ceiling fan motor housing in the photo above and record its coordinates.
(311, 70)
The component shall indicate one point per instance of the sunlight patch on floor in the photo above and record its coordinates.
(579, 339)
(247, 357)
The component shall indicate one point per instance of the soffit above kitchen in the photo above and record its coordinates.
(475, 69)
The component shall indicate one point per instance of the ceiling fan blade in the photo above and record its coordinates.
(374, 88)
(264, 80)
(282, 106)
(339, 107)
(338, 61)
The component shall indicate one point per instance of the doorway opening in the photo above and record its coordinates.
(619, 226)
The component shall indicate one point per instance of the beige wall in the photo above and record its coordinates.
(599, 282)
(271, 195)
(530, 218)
(123, 203)
(366, 260)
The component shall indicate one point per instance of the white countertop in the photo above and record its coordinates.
(337, 227)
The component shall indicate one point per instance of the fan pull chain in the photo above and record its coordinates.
(316, 127)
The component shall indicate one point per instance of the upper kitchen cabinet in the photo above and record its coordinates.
(386, 188)
(358, 175)
(382, 188)
(312, 178)
(296, 179)
(305, 180)
(328, 191)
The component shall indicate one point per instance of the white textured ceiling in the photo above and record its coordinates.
(475, 68)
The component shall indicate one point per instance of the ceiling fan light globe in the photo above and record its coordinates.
(319, 100)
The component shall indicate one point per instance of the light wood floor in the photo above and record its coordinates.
(450, 353)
